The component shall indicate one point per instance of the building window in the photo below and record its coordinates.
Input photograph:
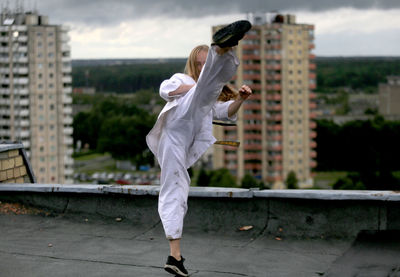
(51, 55)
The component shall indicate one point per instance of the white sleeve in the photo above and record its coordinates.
(170, 85)
(220, 111)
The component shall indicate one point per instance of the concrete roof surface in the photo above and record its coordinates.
(79, 245)
(35, 242)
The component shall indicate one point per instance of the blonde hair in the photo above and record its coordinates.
(228, 93)
(191, 68)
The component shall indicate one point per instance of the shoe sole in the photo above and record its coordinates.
(174, 270)
(236, 29)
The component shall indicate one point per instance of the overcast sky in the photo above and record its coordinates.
(171, 28)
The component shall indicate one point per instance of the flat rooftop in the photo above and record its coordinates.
(55, 230)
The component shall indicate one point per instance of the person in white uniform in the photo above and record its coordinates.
(183, 131)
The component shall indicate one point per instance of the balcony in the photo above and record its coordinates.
(251, 66)
(67, 69)
(68, 131)
(313, 144)
(276, 87)
(255, 86)
(277, 148)
(67, 99)
(274, 179)
(20, 59)
(256, 96)
(273, 67)
(311, 46)
(313, 124)
(313, 135)
(250, 166)
(312, 86)
(311, 57)
(275, 77)
(251, 37)
(275, 97)
(275, 157)
(251, 46)
(313, 154)
(274, 138)
(313, 164)
(67, 110)
(67, 120)
(24, 113)
(275, 57)
(252, 136)
(251, 106)
(252, 76)
(65, 47)
(21, 81)
(312, 76)
(275, 117)
(313, 95)
(277, 107)
(68, 140)
(313, 105)
(313, 115)
(312, 66)
(67, 90)
(277, 167)
(25, 134)
(252, 116)
(276, 127)
(20, 70)
(251, 57)
(23, 102)
(252, 147)
(257, 127)
(253, 156)
(22, 39)
(67, 79)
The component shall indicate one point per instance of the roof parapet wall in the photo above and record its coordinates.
(294, 213)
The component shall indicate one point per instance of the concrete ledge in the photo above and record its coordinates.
(304, 213)
(331, 194)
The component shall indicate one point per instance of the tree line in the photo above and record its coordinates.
(357, 73)
(368, 150)
(115, 125)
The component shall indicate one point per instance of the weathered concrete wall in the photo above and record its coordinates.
(300, 213)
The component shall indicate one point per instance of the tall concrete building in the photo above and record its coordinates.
(275, 126)
(389, 97)
(35, 92)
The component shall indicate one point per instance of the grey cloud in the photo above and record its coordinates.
(104, 12)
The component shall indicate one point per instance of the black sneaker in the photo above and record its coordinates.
(230, 35)
(176, 267)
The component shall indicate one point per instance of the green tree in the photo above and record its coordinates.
(203, 180)
(291, 180)
(222, 178)
(248, 181)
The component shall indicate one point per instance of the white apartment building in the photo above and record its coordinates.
(35, 92)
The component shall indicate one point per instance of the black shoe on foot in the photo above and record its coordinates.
(230, 35)
(176, 267)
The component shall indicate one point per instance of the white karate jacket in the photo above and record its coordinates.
(203, 137)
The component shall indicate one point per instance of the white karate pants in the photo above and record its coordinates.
(182, 125)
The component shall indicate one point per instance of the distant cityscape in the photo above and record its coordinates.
(276, 127)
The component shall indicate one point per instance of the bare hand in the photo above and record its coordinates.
(245, 92)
